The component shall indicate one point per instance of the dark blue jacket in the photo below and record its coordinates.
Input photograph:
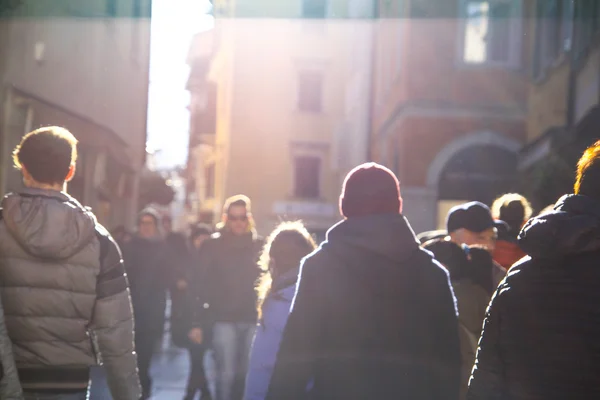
(540, 336)
(374, 317)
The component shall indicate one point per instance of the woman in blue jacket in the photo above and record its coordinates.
(280, 261)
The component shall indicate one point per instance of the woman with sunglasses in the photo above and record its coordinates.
(225, 312)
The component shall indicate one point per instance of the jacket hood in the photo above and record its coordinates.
(385, 235)
(572, 228)
(47, 223)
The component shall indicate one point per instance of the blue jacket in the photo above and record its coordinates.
(268, 335)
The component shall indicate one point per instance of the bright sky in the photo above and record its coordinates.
(174, 22)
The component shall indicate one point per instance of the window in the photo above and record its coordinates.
(398, 38)
(492, 32)
(314, 8)
(209, 181)
(307, 177)
(111, 8)
(310, 87)
(135, 35)
(587, 15)
(137, 8)
(554, 32)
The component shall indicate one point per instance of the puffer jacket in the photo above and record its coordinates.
(65, 294)
(275, 312)
(540, 336)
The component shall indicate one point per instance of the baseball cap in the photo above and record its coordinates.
(474, 216)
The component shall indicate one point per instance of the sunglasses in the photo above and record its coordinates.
(234, 218)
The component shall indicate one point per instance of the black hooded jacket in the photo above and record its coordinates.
(540, 336)
(374, 318)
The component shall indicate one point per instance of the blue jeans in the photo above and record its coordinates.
(231, 345)
(99, 389)
(55, 396)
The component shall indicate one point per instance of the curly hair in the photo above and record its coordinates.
(285, 247)
(588, 172)
(512, 208)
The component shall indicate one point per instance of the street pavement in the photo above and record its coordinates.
(169, 373)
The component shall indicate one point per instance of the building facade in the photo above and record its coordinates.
(83, 66)
(289, 85)
(449, 104)
(564, 93)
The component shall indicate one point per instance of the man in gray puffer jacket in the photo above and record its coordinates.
(64, 289)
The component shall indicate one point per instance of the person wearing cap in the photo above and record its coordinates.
(471, 224)
(374, 316)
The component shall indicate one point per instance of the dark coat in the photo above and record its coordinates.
(374, 318)
(470, 277)
(224, 290)
(146, 263)
(192, 271)
(540, 336)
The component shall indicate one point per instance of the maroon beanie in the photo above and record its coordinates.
(370, 189)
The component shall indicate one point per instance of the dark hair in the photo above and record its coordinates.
(118, 230)
(47, 154)
(288, 244)
(588, 172)
(199, 230)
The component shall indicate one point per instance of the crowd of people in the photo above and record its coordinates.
(499, 305)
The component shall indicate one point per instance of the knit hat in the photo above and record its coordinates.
(151, 212)
(370, 189)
